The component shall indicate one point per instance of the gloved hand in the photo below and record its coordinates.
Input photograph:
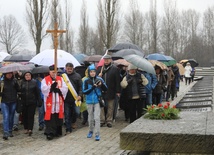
(129, 81)
(53, 86)
(57, 90)
(140, 81)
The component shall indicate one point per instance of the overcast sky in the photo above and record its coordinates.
(17, 8)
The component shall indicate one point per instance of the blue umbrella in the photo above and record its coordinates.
(167, 60)
(80, 57)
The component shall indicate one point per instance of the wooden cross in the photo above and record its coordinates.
(55, 34)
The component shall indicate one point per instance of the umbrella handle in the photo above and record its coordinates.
(2, 86)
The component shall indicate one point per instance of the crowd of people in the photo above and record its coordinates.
(59, 98)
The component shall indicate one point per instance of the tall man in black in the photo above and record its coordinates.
(110, 74)
(70, 106)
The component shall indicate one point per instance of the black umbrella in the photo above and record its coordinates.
(17, 58)
(193, 62)
(121, 46)
(124, 52)
(42, 70)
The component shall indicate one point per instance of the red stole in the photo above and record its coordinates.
(49, 101)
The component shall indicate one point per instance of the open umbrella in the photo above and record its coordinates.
(121, 62)
(193, 62)
(46, 58)
(17, 58)
(158, 63)
(181, 68)
(124, 52)
(80, 57)
(167, 60)
(43, 69)
(121, 46)
(3, 55)
(14, 67)
(93, 58)
(140, 62)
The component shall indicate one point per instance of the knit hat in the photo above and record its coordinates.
(131, 66)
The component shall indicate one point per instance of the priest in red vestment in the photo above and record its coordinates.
(54, 90)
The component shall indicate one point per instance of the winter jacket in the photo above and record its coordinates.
(92, 93)
(160, 85)
(152, 79)
(10, 89)
(188, 70)
(30, 92)
(134, 82)
(111, 76)
(76, 81)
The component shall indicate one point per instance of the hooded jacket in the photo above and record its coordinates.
(30, 92)
(92, 93)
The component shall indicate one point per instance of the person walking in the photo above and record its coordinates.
(92, 88)
(8, 103)
(187, 73)
(170, 79)
(110, 74)
(135, 83)
(159, 88)
(30, 97)
(54, 90)
(69, 104)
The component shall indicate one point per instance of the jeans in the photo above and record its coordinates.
(8, 111)
(41, 116)
(94, 118)
(16, 119)
(70, 115)
(148, 98)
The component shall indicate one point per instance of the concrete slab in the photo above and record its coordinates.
(190, 134)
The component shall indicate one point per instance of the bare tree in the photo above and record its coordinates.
(169, 28)
(108, 22)
(82, 41)
(69, 36)
(154, 26)
(12, 35)
(36, 18)
(134, 25)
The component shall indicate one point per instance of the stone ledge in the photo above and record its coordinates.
(193, 133)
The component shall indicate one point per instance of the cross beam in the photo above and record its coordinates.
(55, 33)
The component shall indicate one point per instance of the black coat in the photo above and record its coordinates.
(10, 90)
(30, 92)
(111, 76)
(76, 81)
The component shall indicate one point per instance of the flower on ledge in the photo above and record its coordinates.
(161, 111)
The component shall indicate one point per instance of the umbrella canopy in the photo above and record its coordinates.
(140, 62)
(17, 58)
(181, 68)
(121, 46)
(125, 52)
(158, 63)
(167, 60)
(14, 67)
(93, 58)
(3, 55)
(193, 62)
(121, 62)
(42, 70)
(80, 57)
(46, 58)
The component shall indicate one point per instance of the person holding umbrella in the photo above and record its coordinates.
(187, 74)
(134, 84)
(9, 89)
